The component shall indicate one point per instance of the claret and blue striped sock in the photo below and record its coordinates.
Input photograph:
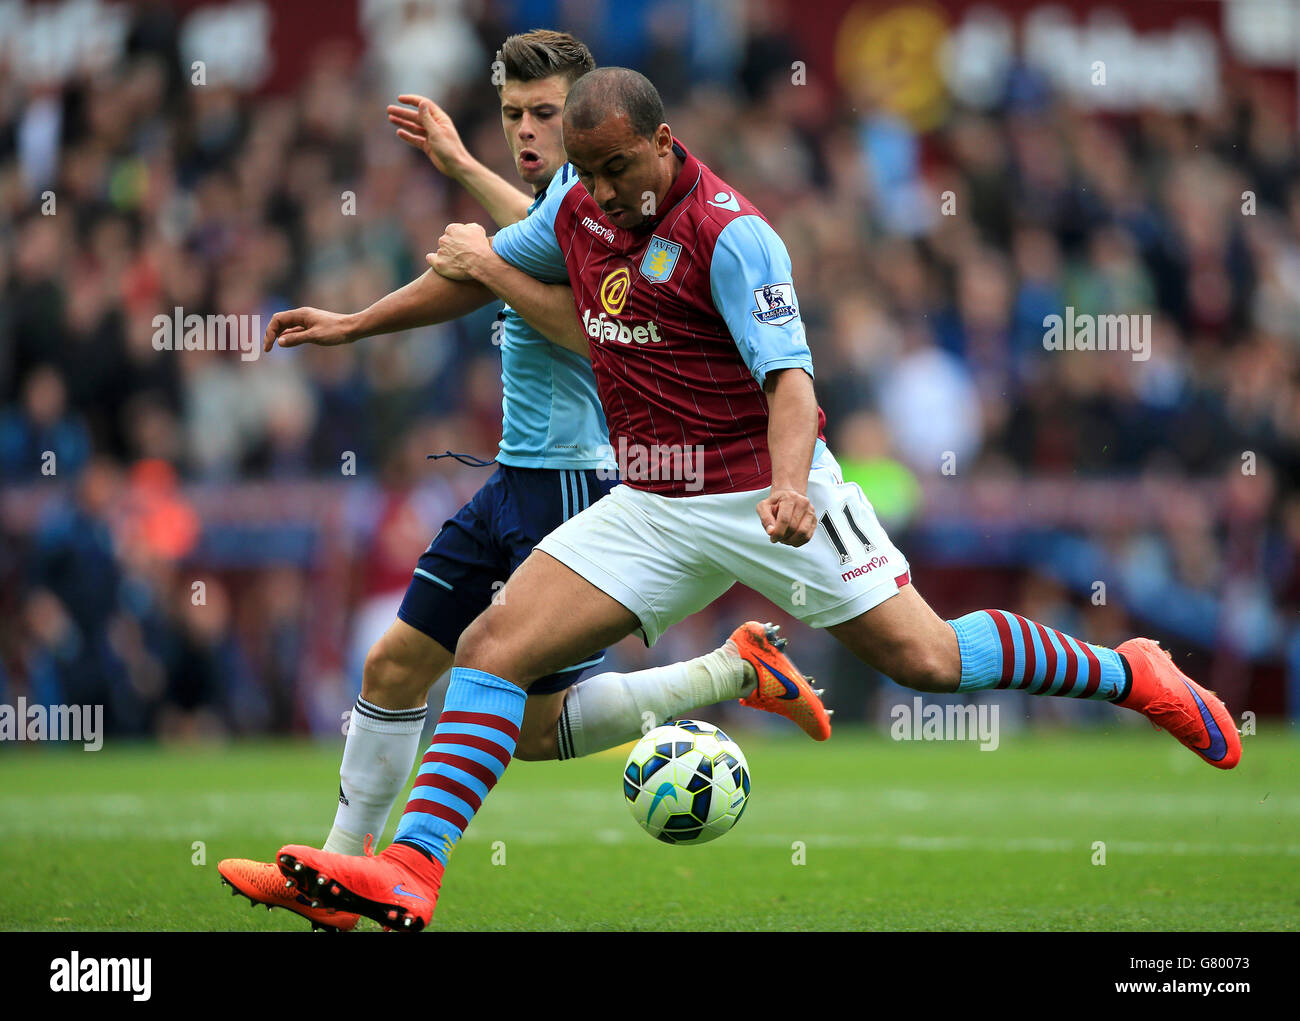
(472, 745)
(1004, 650)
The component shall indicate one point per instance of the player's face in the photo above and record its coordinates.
(621, 170)
(531, 114)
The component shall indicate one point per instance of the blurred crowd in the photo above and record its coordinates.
(925, 264)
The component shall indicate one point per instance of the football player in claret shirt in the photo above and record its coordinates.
(686, 296)
(554, 461)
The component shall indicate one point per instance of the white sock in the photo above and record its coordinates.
(378, 753)
(610, 709)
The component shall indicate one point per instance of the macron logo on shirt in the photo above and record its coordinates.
(725, 200)
(606, 233)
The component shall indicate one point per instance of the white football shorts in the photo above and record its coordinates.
(665, 558)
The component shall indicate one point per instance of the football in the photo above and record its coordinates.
(686, 782)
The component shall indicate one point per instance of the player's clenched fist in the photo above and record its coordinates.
(307, 326)
(787, 517)
(459, 250)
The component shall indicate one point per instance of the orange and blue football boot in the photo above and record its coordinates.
(398, 887)
(1174, 702)
(261, 883)
(781, 689)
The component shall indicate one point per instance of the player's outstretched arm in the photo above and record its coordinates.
(424, 125)
(430, 298)
(787, 514)
(465, 252)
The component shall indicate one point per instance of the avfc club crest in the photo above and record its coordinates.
(774, 304)
(660, 260)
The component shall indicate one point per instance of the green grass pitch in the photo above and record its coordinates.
(892, 836)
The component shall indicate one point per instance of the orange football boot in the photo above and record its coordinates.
(781, 689)
(397, 887)
(1174, 702)
(261, 883)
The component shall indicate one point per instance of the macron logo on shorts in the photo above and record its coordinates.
(866, 568)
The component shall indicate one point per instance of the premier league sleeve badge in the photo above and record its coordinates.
(774, 304)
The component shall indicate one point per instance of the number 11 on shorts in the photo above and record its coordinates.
(838, 542)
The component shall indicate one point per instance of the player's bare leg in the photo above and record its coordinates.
(545, 618)
(537, 734)
(907, 641)
(402, 666)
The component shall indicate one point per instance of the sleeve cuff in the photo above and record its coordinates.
(790, 362)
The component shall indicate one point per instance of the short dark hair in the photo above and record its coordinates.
(530, 56)
(611, 91)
